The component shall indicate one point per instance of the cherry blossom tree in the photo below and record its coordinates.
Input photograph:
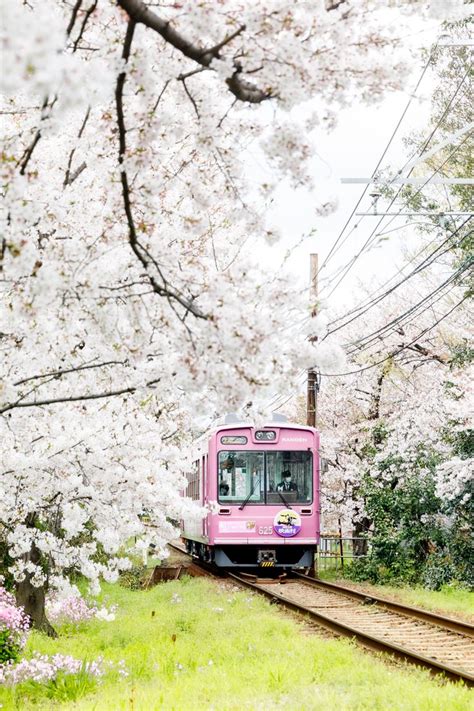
(397, 438)
(134, 299)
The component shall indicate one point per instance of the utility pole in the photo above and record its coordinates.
(313, 385)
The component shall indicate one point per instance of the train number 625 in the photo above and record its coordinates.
(265, 530)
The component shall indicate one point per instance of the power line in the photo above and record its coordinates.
(371, 297)
(419, 151)
(412, 96)
(375, 230)
(432, 257)
(385, 331)
(402, 348)
(400, 171)
(335, 247)
(277, 401)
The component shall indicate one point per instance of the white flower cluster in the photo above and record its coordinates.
(453, 477)
(135, 298)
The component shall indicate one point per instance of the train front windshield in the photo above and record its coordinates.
(265, 477)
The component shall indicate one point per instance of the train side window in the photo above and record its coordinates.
(192, 489)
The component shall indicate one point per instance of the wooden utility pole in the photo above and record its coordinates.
(312, 388)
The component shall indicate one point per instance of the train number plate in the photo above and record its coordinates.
(265, 530)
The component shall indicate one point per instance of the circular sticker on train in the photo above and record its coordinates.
(287, 523)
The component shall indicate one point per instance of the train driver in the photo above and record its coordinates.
(223, 489)
(286, 484)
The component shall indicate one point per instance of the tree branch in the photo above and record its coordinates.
(89, 12)
(24, 160)
(333, 4)
(191, 99)
(68, 178)
(139, 250)
(429, 354)
(72, 21)
(59, 373)
(161, 94)
(242, 89)
(78, 398)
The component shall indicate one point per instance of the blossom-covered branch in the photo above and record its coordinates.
(242, 89)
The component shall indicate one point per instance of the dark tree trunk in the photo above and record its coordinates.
(32, 599)
(360, 546)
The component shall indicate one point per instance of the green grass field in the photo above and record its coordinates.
(193, 645)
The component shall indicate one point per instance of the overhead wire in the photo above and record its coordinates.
(374, 173)
(282, 398)
(389, 328)
(367, 243)
(401, 321)
(423, 148)
(373, 295)
(386, 330)
(426, 262)
(418, 151)
(337, 242)
(401, 348)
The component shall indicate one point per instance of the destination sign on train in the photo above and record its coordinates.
(233, 439)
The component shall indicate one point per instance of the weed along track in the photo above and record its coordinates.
(441, 644)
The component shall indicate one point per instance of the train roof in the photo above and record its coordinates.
(239, 424)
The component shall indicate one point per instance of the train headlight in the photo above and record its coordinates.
(265, 435)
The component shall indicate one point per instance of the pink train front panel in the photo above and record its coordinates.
(266, 485)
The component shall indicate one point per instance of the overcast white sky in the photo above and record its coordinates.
(353, 149)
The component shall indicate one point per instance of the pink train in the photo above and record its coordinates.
(262, 488)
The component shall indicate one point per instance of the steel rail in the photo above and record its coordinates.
(368, 640)
(449, 623)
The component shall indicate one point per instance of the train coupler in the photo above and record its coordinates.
(266, 558)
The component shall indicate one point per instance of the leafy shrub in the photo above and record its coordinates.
(454, 563)
(404, 510)
(14, 626)
(438, 571)
(134, 578)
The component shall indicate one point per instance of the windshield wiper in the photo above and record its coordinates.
(283, 499)
(244, 503)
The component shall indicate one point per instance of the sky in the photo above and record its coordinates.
(352, 150)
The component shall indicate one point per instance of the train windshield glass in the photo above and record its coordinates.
(265, 477)
(289, 477)
(241, 477)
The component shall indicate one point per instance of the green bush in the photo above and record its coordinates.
(9, 650)
(134, 578)
(438, 571)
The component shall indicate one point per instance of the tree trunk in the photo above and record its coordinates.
(32, 599)
(360, 546)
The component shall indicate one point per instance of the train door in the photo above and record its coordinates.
(204, 488)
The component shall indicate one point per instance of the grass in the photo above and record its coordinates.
(452, 599)
(191, 645)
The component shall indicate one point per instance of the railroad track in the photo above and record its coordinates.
(439, 643)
